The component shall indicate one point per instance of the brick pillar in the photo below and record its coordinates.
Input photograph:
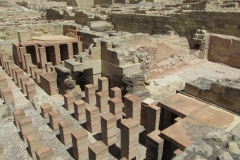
(18, 114)
(7, 95)
(22, 52)
(93, 119)
(44, 153)
(68, 101)
(33, 68)
(115, 92)
(10, 64)
(48, 66)
(66, 128)
(53, 69)
(34, 143)
(79, 110)
(144, 106)
(37, 76)
(109, 129)
(55, 117)
(16, 53)
(154, 144)
(18, 74)
(45, 109)
(80, 144)
(129, 138)
(31, 89)
(103, 84)
(26, 127)
(23, 80)
(90, 93)
(98, 151)
(42, 57)
(115, 105)
(37, 55)
(70, 50)
(153, 117)
(57, 54)
(15, 68)
(79, 47)
(133, 107)
(28, 62)
(102, 101)
(4, 58)
(3, 84)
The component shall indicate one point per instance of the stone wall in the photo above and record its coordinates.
(100, 2)
(184, 23)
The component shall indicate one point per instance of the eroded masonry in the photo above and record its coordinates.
(120, 79)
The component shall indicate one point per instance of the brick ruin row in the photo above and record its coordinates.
(103, 74)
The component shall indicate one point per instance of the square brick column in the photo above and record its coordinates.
(153, 118)
(45, 109)
(66, 128)
(45, 153)
(37, 55)
(18, 114)
(144, 106)
(133, 107)
(37, 76)
(34, 143)
(80, 144)
(116, 105)
(53, 69)
(7, 95)
(68, 101)
(115, 92)
(109, 129)
(98, 151)
(57, 54)
(3, 84)
(31, 89)
(14, 74)
(4, 57)
(10, 64)
(70, 50)
(55, 117)
(26, 127)
(22, 52)
(102, 101)
(129, 138)
(18, 74)
(42, 57)
(23, 80)
(93, 119)
(154, 144)
(33, 68)
(79, 110)
(103, 84)
(90, 93)
(28, 62)
(48, 66)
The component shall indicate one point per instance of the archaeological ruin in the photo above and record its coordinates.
(120, 79)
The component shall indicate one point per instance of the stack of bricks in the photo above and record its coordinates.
(45, 153)
(103, 84)
(98, 151)
(109, 129)
(26, 127)
(90, 93)
(115, 105)
(102, 101)
(45, 109)
(33, 68)
(31, 89)
(66, 128)
(55, 117)
(154, 145)
(79, 110)
(10, 64)
(68, 101)
(115, 93)
(57, 54)
(28, 62)
(18, 74)
(4, 57)
(3, 84)
(18, 114)
(14, 77)
(153, 117)
(93, 119)
(37, 73)
(133, 107)
(124, 106)
(48, 66)
(34, 143)
(129, 138)
(49, 83)
(23, 80)
(53, 69)
(2, 157)
(80, 144)
(7, 95)
(144, 106)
